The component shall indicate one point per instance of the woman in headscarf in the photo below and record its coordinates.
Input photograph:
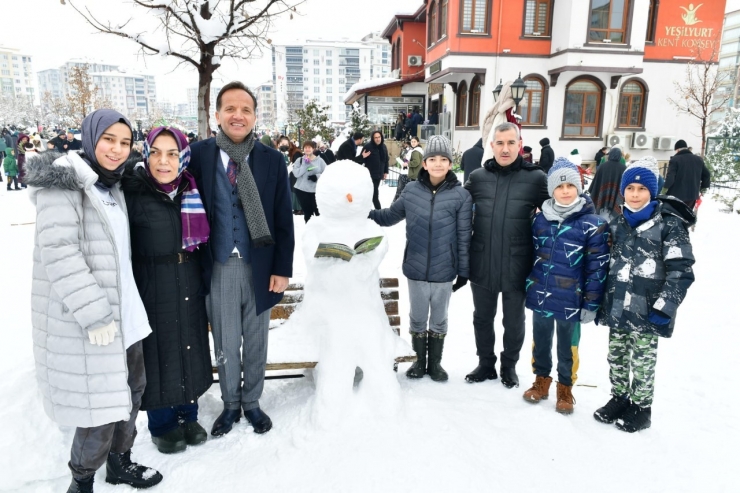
(168, 226)
(88, 318)
(23, 139)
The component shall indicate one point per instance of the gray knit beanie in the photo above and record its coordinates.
(563, 171)
(438, 145)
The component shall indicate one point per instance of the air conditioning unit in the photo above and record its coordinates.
(615, 140)
(415, 61)
(641, 140)
(396, 74)
(664, 143)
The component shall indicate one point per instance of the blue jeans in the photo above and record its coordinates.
(167, 419)
(569, 335)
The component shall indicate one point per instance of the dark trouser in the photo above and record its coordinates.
(12, 180)
(569, 335)
(308, 203)
(402, 181)
(239, 334)
(485, 303)
(167, 419)
(376, 184)
(90, 446)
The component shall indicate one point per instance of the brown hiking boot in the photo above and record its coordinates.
(566, 401)
(540, 390)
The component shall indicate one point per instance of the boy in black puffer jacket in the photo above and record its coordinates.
(438, 213)
(650, 272)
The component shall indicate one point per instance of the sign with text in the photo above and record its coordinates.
(686, 29)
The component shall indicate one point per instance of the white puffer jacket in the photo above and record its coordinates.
(75, 288)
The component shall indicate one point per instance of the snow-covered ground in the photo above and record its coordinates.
(451, 437)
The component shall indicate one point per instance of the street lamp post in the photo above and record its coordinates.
(517, 90)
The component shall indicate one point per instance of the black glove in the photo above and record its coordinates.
(313, 178)
(459, 282)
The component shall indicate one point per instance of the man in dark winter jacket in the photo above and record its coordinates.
(60, 141)
(600, 154)
(547, 155)
(414, 122)
(348, 149)
(375, 159)
(72, 143)
(687, 175)
(506, 192)
(472, 159)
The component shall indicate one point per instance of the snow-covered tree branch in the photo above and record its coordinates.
(201, 33)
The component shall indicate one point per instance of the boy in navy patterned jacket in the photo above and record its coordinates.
(567, 281)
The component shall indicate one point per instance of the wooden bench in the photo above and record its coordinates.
(293, 297)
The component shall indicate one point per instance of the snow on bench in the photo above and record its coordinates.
(298, 348)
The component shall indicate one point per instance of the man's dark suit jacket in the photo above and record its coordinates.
(271, 176)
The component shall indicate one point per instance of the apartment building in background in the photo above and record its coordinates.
(131, 93)
(266, 105)
(16, 73)
(324, 71)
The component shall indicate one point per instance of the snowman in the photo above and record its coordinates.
(341, 301)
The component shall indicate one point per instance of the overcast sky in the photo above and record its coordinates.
(52, 33)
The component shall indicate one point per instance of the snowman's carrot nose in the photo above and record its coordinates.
(349, 198)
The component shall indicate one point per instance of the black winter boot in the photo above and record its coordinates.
(419, 343)
(434, 364)
(120, 470)
(509, 377)
(612, 410)
(635, 418)
(194, 433)
(481, 374)
(172, 442)
(81, 485)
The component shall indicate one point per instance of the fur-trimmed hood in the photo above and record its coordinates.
(53, 169)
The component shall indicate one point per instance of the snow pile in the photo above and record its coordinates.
(341, 302)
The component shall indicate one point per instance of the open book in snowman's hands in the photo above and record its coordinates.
(344, 252)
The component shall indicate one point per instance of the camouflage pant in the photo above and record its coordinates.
(636, 351)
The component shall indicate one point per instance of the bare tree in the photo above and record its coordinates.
(699, 95)
(199, 32)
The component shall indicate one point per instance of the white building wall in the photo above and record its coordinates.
(661, 119)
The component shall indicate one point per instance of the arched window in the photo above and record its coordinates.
(474, 107)
(432, 23)
(632, 102)
(462, 104)
(582, 108)
(532, 106)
